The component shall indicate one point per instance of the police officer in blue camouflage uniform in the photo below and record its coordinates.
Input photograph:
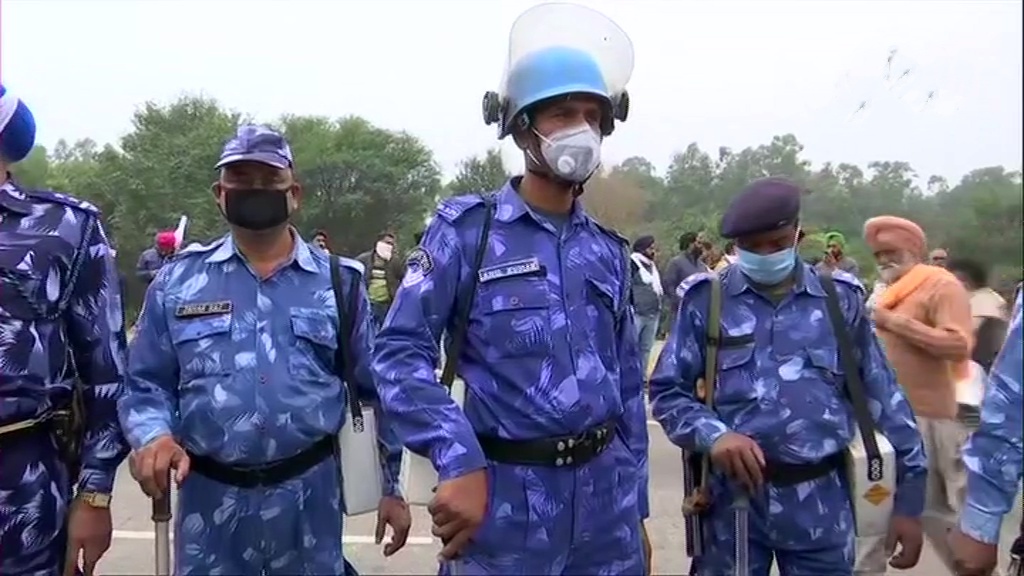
(545, 472)
(994, 457)
(781, 422)
(232, 383)
(62, 327)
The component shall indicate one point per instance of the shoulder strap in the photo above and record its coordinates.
(854, 384)
(343, 356)
(713, 339)
(462, 321)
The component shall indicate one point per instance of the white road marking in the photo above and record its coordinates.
(355, 539)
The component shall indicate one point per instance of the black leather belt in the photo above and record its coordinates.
(786, 474)
(551, 452)
(265, 474)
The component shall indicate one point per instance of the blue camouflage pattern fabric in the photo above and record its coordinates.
(246, 386)
(994, 454)
(59, 300)
(551, 351)
(784, 389)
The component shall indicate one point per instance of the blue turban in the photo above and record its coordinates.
(17, 127)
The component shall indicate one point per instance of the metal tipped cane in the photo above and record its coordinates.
(741, 512)
(162, 533)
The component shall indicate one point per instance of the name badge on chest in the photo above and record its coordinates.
(202, 309)
(525, 267)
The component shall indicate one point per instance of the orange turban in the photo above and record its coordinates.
(894, 233)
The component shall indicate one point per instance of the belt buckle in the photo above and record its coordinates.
(585, 445)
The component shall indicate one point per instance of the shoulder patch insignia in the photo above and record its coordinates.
(202, 309)
(418, 265)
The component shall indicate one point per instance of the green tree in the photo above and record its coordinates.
(479, 174)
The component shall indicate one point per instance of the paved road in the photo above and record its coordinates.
(132, 551)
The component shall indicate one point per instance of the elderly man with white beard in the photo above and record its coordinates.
(923, 319)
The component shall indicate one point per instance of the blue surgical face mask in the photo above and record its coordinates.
(767, 269)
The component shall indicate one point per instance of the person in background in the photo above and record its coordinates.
(994, 458)
(153, 259)
(938, 257)
(923, 319)
(711, 257)
(684, 264)
(835, 258)
(647, 293)
(728, 255)
(988, 310)
(321, 241)
(383, 275)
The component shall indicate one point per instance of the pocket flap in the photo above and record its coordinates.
(198, 328)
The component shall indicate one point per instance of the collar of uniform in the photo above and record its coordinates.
(804, 281)
(511, 205)
(301, 254)
(12, 198)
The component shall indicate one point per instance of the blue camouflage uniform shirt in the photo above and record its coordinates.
(994, 454)
(254, 382)
(551, 348)
(784, 388)
(58, 293)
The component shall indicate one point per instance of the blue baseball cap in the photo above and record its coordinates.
(255, 143)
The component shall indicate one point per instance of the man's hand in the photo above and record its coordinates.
(458, 509)
(740, 458)
(89, 532)
(648, 551)
(883, 318)
(394, 512)
(151, 465)
(907, 533)
(972, 558)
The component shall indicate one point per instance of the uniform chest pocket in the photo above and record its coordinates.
(515, 317)
(825, 365)
(316, 342)
(604, 312)
(28, 295)
(204, 345)
(737, 372)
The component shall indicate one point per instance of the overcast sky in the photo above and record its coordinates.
(719, 73)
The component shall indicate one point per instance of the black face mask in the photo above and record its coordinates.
(256, 209)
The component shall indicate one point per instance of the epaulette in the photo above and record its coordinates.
(688, 285)
(59, 198)
(619, 238)
(197, 248)
(451, 209)
(849, 280)
(353, 264)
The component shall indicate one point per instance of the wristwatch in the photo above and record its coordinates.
(94, 499)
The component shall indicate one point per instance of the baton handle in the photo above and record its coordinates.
(162, 507)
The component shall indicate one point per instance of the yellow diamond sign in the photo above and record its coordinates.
(876, 494)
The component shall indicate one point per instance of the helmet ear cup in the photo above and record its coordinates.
(491, 108)
(620, 106)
